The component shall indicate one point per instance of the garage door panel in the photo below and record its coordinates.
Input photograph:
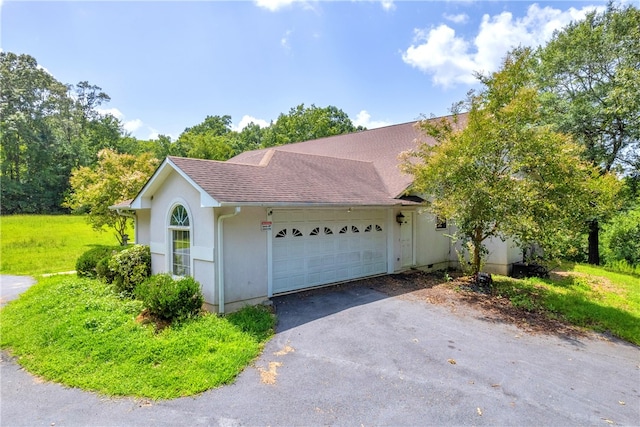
(311, 248)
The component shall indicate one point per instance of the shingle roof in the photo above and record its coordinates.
(353, 169)
(289, 178)
(380, 147)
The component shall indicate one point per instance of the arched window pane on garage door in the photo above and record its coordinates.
(180, 242)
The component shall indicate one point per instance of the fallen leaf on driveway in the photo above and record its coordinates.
(479, 411)
(269, 377)
(453, 362)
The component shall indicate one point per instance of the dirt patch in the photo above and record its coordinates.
(146, 318)
(458, 293)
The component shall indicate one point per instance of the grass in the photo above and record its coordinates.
(39, 244)
(79, 333)
(587, 296)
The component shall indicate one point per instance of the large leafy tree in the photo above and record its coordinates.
(303, 124)
(46, 129)
(504, 173)
(30, 100)
(115, 177)
(211, 139)
(590, 76)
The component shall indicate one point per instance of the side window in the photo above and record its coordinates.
(179, 228)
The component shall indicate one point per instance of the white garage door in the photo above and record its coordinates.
(317, 247)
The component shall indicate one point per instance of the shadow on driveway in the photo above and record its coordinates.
(350, 355)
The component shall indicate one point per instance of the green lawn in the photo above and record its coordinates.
(79, 333)
(39, 244)
(583, 295)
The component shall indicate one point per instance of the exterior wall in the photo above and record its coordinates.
(177, 190)
(432, 245)
(501, 256)
(143, 230)
(245, 257)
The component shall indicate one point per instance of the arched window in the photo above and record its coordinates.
(180, 241)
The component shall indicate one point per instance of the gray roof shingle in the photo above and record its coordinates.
(359, 169)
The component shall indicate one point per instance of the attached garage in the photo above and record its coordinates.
(317, 247)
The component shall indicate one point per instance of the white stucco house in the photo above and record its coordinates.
(293, 217)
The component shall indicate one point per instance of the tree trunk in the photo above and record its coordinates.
(477, 242)
(594, 249)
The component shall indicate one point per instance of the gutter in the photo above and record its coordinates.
(220, 258)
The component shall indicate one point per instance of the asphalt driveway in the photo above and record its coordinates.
(353, 356)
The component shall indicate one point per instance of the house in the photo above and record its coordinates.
(293, 217)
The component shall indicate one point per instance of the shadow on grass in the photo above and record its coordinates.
(567, 305)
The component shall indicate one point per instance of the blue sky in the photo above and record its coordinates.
(167, 65)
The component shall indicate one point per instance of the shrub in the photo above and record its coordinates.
(130, 268)
(620, 239)
(87, 263)
(170, 299)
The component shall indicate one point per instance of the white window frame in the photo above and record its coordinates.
(170, 232)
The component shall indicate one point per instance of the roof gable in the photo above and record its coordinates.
(381, 147)
(288, 178)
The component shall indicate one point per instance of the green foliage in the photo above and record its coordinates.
(304, 124)
(130, 267)
(587, 296)
(114, 179)
(590, 75)
(256, 320)
(171, 299)
(46, 128)
(86, 265)
(77, 332)
(39, 244)
(620, 239)
(504, 175)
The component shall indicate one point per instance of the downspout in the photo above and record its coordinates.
(220, 259)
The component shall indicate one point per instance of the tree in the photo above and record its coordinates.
(46, 129)
(590, 75)
(207, 140)
(504, 173)
(115, 178)
(304, 124)
(29, 99)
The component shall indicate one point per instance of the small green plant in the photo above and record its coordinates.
(130, 268)
(87, 263)
(256, 320)
(170, 299)
(78, 332)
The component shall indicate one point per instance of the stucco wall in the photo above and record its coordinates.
(176, 190)
(245, 255)
(432, 244)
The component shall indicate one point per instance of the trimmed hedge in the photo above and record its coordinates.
(87, 265)
(130, 268)
(170, 299)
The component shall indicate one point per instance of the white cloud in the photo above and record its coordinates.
(274, 5)
(247, 120)
(461, 18)
(451, 59)
(363, 118)
(132, 125)
(113, 111)
(136, 127)
(387, 5)
(284, 41)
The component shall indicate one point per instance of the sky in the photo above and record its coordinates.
(168, 65)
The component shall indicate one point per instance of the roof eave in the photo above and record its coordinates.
(145, 196)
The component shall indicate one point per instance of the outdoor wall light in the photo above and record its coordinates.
(400, 218)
